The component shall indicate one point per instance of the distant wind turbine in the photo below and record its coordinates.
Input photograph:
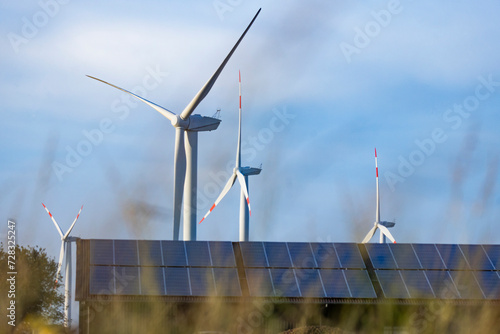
(382, 225)
(240, 173)
(187, 127)
(65, 246)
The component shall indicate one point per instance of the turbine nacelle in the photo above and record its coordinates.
(387, 224)
(250, 171)
(198, 123)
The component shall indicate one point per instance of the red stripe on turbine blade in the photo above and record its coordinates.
(394, 241)
(202, 219)
(375, 152)
(213, 207)
(377, 171)
(248, 200)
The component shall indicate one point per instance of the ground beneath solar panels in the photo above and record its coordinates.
(315, 330)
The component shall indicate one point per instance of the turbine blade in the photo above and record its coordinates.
(208, 86)
(238, 148)
(55, 223)
(377, 213)
(228, 186)
(386, 232)
(179, 177)
(244, 188)
(370, 234)
(165, 112)
(61, 256)
(74, 222)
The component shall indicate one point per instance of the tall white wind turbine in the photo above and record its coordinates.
(187, 127)
(65, 248)
(382, 225)
(240, 173)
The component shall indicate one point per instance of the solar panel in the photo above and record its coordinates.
(177, 281)
(349, 255)
(452, 256)
(310, 283)
(405, 256)
(152, 281)
(325, 255)
(227, 282)
(101, 252)
(392, 284)
(277, 254)
(466, 284)
(442, 284)
(253, 254)
(380, 256)
(334, 283)
(428, 256)
(102, 280)
(174, 253)
(202, 281)
(126, 252)
(127, 281)
(284, 282)
(222, 254)
(476, 257)
(150, 253)
(417, 284)
(489, 281)
(259, 282)
(493, 252)
(359, 284)
(197, 253)
(301, 254)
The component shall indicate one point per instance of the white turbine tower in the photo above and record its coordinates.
(382, 225)
(187, 127)
(65, 246)
(240, 173)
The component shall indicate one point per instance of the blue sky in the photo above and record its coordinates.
(323, 84)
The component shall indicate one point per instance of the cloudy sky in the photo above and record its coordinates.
(323, 84)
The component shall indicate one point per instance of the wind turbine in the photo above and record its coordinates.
(187, 127)
(382, 225)
(65, 239)
(240, 173)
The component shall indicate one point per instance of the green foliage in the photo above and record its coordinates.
(38, 301)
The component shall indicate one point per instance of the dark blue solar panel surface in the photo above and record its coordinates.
(493, 252)
(222, 254)
(127, 280)
(259, 282)
(284, 282)
(442, 284)
(476, 257)
(177, 281)
(334, 283)
(253, 254)
(301, 254)
(417, 284)
(150, 253)
(405, 256)
(202, 281)
(310, 283)
(349, 255)
(174, 253)
(101, 252)
(359, 284)
(489, 281)
(227, 282)
(452, 256)
(381, 256)
(392, 284)
(102, 280)
(466, 284)
(126, 252)
(428, 256)
(198, 254)
(277, 254)
(152, 281)
(325, 255)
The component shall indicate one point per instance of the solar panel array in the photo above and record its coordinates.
(293, 269)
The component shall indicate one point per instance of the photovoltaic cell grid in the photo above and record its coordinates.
(273, 269)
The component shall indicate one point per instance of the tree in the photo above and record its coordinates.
(38, 301)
